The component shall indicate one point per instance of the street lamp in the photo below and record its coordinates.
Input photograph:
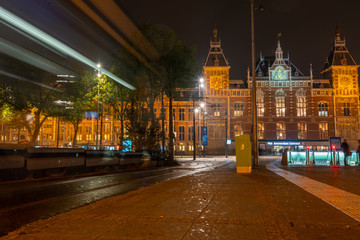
(201, 105)
(260, 8)
(97, 118)
(196, 111)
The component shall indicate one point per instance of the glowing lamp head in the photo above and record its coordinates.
(196, 110)
(333, 147)
(98, 65)
(202, 105)
(201, 80)
(99, 74)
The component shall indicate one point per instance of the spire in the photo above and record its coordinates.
(215, 34)
(278, 52)
(339, 55)
(216, 56)
(337, 32)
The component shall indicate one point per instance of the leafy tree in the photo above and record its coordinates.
(173, 67)
(30, 90)
(176, 64)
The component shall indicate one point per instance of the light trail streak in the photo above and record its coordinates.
(31, 58)
(42, 36)
(32, 38)
(27, 80)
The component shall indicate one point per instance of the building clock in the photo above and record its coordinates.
(344, 81)
(216, 82)
(279, 74)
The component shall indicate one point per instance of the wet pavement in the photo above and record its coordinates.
(213, 204)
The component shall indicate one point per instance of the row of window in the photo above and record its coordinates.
(281, 84)
(280, 109)
(302, 131)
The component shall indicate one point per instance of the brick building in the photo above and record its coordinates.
(294, 110)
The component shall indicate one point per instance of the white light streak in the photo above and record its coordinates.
(42, 36)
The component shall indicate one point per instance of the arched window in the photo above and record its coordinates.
(280, 103)
(260, 103)
(301, 103)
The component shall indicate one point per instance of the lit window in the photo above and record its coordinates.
(324, 130)
(260, 102)
(238, 109)
(301, 103)
(280, 103)
(217, 108)
(261, 130)
(323, 109)
(238, 129)
(280, 130)
(302, 130)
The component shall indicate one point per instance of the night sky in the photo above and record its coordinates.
(307, 27)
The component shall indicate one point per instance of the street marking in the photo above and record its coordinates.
(346, 202)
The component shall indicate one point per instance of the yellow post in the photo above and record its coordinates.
(243, 153)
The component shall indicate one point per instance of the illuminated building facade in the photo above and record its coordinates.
(294, 110)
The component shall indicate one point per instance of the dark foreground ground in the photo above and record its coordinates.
(215, 204)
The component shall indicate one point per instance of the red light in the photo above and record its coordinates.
(334, 146)
(308, 147)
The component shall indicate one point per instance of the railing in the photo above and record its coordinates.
(321, 158)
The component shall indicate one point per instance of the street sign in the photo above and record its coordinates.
(127, 146)
(204, 138)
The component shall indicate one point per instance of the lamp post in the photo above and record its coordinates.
(194, 123)
(196, 111)
(201, 105)
(97, 117)
(254, 108)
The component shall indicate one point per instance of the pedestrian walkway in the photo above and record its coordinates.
(216, 204)
(346, 202)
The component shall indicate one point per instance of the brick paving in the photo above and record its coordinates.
(215, 204)
(346, 202)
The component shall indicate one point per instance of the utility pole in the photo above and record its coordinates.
(58, 132)
(226, 136)
(162, 119)
(194, 138)
(171, 126)
(253, 85)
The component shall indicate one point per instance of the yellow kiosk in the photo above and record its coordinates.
(243, 153)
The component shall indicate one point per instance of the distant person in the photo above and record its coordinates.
(346, 150)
